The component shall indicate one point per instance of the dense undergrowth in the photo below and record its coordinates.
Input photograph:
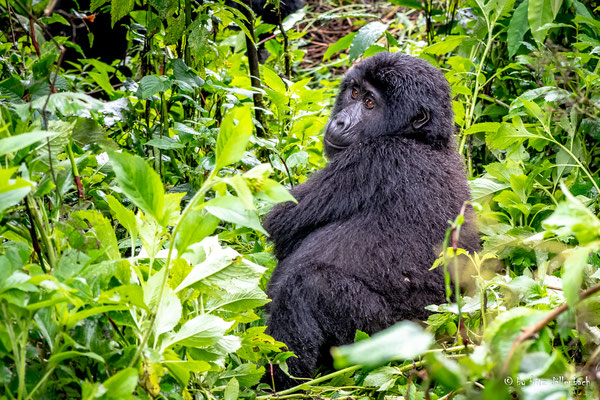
(132, 259)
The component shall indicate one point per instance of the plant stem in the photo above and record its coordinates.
(208, 183)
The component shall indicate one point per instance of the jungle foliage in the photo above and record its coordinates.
(132, 259)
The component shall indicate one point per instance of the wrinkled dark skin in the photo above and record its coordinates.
(355, 251)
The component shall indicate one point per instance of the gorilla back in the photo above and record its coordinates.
(355, 251)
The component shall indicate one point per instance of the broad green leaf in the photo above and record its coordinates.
(232, 209)
(275, 191)
(555, 4)
(232, 390)
(365, 38)
(140, 183)
(507, 135)
(248, 374)
(151, 85)
(340, 45)
(234, 134)
(122, 384)
(505, 329)
(482, 187)
(517, 28)
(539, 13)
(12, 191)
(196, 226)
(483, 127)
(119, 9)
(95, 4)
(238, 301)
(273, 80)
(169, 312)
(182, 369)
(223, 267)
(103, 230)
(125, 216)
(445, 46)
(404, 341)
(534, 110)
(200, 331)
(15, 143)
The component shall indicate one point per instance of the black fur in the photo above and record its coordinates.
(355, 251)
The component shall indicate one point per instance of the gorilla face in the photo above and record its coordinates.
(359, 109)
(391, 94)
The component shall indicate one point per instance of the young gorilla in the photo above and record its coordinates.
(355, 251)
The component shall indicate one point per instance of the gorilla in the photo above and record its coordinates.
(355, 251)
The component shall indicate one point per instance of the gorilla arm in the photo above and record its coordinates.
(336, 192)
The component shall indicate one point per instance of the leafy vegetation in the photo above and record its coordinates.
(132, 258)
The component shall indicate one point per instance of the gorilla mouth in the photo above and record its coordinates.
(336, 146)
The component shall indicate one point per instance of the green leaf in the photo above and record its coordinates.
(151, 85)
(218, 266)
(273, 80)
(341, 44)
(518, 27)
(232, 209)
(200, 331)
(15, 143)
(365, 38)
(482, 187)
(195, 227)
(121, 385)
(238, 301)
(12, 191)
(539, 13)
(95, 4)
(507, 136)
(445, 46)
(169, 312)
(572, 276)
(505, 329)
(125, 216)
(248, 374)
(483, 127)
(140, 183)
(119, 9)
(555, 4)
(232, 390)
(103, 230)
(404, 341)
(234, 134)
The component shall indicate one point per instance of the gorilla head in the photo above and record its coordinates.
(391, 94)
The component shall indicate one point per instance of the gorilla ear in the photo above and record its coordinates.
(421, 119)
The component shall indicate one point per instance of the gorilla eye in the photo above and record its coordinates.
(369, 103)
(354, 93)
